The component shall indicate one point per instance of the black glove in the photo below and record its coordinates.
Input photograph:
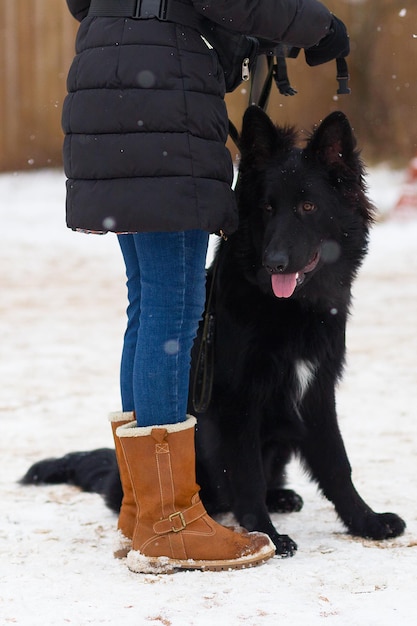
(334, 45)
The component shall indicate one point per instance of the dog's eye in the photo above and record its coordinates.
(268, 208)
(308, 207)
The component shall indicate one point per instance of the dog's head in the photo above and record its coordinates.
(303, 211)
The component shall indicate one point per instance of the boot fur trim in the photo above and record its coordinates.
(133, 430)
(121, 416)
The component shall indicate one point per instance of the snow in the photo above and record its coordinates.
(61, 322)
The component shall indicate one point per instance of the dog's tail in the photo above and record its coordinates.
(94, 471)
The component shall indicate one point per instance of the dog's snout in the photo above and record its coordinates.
(275, 262)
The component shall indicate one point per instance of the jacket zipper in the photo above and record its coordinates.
(245, 63)
(245, 69)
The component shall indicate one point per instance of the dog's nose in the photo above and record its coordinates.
(275, 262)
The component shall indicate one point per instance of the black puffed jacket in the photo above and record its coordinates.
(145, 119)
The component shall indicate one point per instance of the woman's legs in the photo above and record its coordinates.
(171, 528)
(166, 292)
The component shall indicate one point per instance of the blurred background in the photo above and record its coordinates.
(37, 46)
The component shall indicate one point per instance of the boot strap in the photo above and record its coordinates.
(179, 520)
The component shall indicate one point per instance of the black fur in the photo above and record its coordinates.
(94, 471)
(278, 356)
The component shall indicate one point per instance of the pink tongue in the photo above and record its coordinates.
(283, 285)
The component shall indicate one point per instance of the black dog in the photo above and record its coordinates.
(279, 303)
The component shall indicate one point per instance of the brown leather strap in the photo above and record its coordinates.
(179, 520)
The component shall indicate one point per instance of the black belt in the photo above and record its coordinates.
(165, 10)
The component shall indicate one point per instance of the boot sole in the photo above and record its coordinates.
(141, 564)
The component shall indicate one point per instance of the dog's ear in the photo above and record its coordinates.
(258, 139)
(334, 143)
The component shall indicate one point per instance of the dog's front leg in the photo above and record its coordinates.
(323, 449)
(247, 485)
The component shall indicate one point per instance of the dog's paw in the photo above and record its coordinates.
(283, 501)
(285, 546)
(381, 526)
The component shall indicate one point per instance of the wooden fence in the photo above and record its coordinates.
(37, 46)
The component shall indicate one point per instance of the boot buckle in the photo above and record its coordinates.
(180, 516)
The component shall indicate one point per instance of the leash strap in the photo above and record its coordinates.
(204, 371)
(342, 76)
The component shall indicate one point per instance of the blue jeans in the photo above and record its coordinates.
(166, 293)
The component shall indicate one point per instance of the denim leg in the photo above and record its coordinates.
(128, 247)
(171, 302)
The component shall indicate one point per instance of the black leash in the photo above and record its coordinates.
(204, 371)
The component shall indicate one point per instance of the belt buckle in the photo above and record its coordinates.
(182, 520)
(145, 9)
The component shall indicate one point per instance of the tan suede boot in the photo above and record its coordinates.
(127, 515)
(173, 529)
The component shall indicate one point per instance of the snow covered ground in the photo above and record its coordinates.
(61, 323)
